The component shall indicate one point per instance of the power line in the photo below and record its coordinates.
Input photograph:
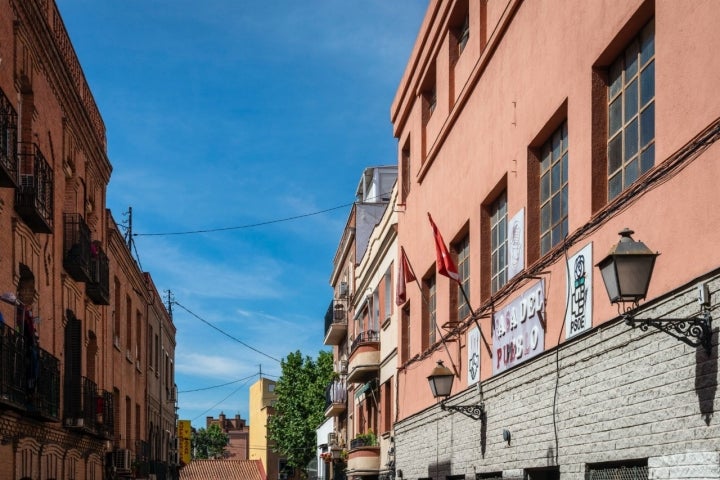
(385, 195)
(250, 225)
(221, 401)
(217, 386)
(224, 332)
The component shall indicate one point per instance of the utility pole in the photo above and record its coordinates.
(170, 302)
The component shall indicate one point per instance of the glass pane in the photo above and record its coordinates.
(557, 234)
(501, 258)
(647, 159)
(631, 100)
(555, 208)
(615, 78)
(545, 161)
(545, 243)
(615, 116)
(501, 231)
(647, 84)
(545, 187)
(647, 125)
(564, 136)
(565, 227)
(631, 139)
(565, 168)
(556, 145)
(556, 176)
(648, 43)
(631, 172)
(614, 154)
(564, 196)
(545, 217)
(631, 61)
(614, 186)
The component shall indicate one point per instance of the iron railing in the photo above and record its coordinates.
(335, 315)
(76, 259)
(336, 392)
(368, 336)
(34, 196)
(88, 408)
(29, 376)
(8, 143)
(98, 286)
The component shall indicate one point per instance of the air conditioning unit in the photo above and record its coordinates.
(122, 460)
(332, 438)
(342, 366)
(74, 422)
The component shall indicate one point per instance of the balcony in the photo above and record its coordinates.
(363, 456)
(364, 363)
(335, 398)
(34, 196)
(8, 143)
(335, 324)
(29, 377)
(87, 408)
(98, 286)
(76, 247)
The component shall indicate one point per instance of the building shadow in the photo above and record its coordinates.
(706, 370)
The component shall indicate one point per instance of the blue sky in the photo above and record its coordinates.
(228, 113)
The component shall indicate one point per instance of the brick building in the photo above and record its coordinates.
(84, 328)
(533, 132)
(238, 433)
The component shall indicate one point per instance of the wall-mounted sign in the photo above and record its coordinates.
(516, 244)
(473, 345)
(579, 292)
(518, 329)
(184, 441)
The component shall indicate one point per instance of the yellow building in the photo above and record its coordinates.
(261, 402)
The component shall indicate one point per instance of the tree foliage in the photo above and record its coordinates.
(300, 406)
(209, 443)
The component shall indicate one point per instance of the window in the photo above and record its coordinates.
(631, 113)
(116, 314)
(387, 282)
(429, 94)
(405, 337)
(405, 171)
(8, 136)
(498, 243)
(462, 248)
(151, 356)
(128, 322)
(554, 190)
(387, 406)
(138, 335)
(375, 318)
(630, 470)
(429, 311)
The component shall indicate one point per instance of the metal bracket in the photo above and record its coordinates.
(475, 412)
(694, 331)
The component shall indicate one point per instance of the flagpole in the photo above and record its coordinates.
(442, 339)
(474, 317)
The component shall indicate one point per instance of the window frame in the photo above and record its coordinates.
(498, 217)
(549, 159)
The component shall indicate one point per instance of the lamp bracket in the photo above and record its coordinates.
(695, 331)
(475, 412)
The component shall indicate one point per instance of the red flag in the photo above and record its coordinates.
(405, 275)
(445, 264)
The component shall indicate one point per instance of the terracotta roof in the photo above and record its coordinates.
(223, 470)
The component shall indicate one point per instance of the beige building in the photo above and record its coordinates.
(261, 401)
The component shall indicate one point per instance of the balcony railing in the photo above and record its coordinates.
(368, 336)
(34, 196)
(335, 323)
(88, 408)
(8, 143)
(98, 286)
(29, 376)
(336, 392)
(76, 259)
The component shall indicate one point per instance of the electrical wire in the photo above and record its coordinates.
(217, 386)
(221, 401)
(258, 224)
(175, 302)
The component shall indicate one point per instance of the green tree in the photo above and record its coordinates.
(209, 443)
(300, 406)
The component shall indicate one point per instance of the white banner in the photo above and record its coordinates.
(516, 244)
(579, 292)
(473, 345)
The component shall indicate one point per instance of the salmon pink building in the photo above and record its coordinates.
(533, 132)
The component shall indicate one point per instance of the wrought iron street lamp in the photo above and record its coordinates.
(441, 380)
(626, 273)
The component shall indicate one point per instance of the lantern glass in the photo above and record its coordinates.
(441, 380)
(627, 269)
